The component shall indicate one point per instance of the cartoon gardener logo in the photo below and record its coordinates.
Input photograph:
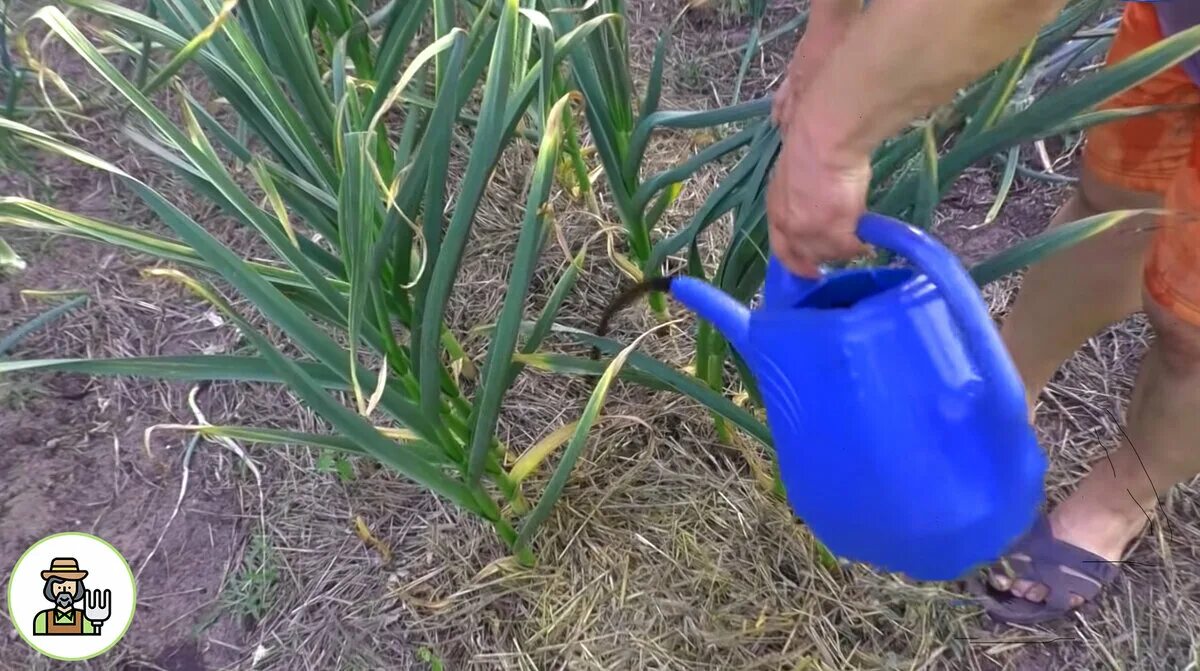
(90, 593)
(64, 588)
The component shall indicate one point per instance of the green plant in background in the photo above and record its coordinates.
(14, 80)
(353, 118)
(910, 175)
(13, 77)
(249, 592)
(10, 261)
(758, 12)
(11, 339)
(430, 658)
(332, 461)
(15, 394)
(621, 124)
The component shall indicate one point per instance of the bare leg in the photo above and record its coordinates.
(1110, 507)
(1062, 303)
(1078, 292)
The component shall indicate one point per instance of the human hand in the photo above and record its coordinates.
(814, 200)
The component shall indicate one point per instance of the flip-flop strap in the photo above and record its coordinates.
(1055, 563)
(1041, 545)
(1062, 585)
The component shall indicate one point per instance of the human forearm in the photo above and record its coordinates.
(897, 61)
(902, 58)
(831, 16)
(828, 21)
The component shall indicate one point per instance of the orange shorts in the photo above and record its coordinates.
(1159, 153)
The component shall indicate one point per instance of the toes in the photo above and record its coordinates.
(999, 581)
(1001, 575)
(1037, 593)
(1020, 587)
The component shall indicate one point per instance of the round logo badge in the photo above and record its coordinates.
(71, 596)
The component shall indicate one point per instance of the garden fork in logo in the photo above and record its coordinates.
(96, 607)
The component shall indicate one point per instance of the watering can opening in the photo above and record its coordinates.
(840, 291)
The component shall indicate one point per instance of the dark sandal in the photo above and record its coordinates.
(1039, 557)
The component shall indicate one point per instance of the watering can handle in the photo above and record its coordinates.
(962, 297)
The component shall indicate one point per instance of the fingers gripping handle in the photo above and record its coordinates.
(961, 295)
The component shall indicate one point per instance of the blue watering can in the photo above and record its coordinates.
(899, 420)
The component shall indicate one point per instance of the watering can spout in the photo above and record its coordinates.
(725, 313)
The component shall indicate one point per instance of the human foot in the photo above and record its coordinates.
(1065, 560)
(1101, 529)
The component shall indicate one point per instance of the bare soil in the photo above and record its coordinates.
(79, 439)
(68, 438)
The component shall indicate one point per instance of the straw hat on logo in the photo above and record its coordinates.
(66, 568)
